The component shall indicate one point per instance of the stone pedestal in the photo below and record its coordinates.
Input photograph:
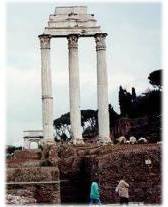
(102, 89)
(47, 99)
(74, 89)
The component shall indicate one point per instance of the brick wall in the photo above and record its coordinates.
(79, 165)
(109, 163)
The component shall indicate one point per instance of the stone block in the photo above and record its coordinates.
(71, 20)
(36, 174)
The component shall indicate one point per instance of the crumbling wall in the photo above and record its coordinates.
(129, 162)
(32, 176)
(74, 183)
(108, 163)
(76, 166)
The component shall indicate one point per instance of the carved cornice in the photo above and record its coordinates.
(45, 41)
(73, 41)
(100, 41)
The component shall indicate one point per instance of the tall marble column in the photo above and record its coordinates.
(74, 89)
(102, 89)
(47, 99)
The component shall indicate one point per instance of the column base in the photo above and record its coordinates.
(104, 140)
(78, 141)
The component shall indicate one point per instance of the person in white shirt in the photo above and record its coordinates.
(122, 190)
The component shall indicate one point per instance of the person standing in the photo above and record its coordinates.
(122, 190)
(94, 193)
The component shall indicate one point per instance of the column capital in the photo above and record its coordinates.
(44, 41)
(73, 40)
(100, 41)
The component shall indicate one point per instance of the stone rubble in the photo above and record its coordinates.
(19, 200)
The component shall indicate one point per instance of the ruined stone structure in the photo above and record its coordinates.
(32, 136)
(63, 173)
(74, 23)
(66, 177)
(33, 178)
(79, 166)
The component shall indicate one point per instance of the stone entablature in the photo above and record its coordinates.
(72, 20)
(33, 133)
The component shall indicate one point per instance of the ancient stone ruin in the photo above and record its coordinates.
(66, 169)
(62, 172)
(74, 23)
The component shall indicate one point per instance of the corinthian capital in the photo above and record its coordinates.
(72, 41)
(100, 41)
(45, 41)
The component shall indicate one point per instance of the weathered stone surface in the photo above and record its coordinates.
(79, 165)
(46, 80)
(25, 158)
(108, 163)
(48, 193)
(102, 89)
(39, 193)
(74, 89)
(35, 174)
(53, 155)
(26, 176)
(19, 200)
(71, 20)
(28, 154)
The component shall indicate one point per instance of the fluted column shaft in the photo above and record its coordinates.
(47, 99)
(74, 89)
(102, 89)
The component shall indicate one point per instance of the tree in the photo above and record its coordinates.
(133, 94)
(113, 116)
(62, 127)
(155, 78)
(89, 120)
(89, 123)
(125, 101)
(122, 101)
(10, 149)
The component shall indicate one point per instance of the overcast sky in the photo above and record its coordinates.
(133, 51)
